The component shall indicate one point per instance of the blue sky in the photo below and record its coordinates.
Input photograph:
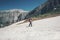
(20, 4)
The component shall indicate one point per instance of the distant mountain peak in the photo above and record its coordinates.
(12, 10)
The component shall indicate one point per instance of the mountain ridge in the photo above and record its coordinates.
(12, 16)
(45, 8)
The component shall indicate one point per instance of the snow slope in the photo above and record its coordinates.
(45, 29)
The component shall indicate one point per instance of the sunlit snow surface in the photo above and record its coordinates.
(45, 29)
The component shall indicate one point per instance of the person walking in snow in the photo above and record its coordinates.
(30, 22)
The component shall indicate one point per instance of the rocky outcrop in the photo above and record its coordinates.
(48, 6)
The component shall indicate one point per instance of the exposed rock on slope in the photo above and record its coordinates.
(50, 5)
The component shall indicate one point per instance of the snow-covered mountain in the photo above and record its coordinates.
(12, 15)
(45, 29)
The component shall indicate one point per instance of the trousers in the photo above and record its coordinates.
(30, 24)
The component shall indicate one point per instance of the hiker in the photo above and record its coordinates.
(30, 22)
